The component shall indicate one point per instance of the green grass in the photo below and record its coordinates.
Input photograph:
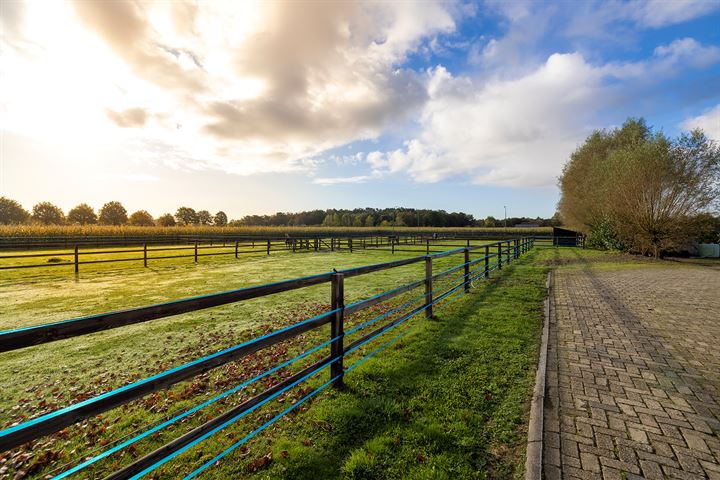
(449, 400)
(58, 263)
(446, 401)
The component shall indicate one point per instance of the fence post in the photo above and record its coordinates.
(196, 252)
(509, 253)
(487, 261)
(337, 302)
(332, 244)
(392, 245)
(236, 248)
(350, 244)
(145, 255)
(499, 245)
(466, 278)
(268, 246)
(77, 260)
(428, 287)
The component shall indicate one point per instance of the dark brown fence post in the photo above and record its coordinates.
(77, 260)
(509, 252)
(392, 245)
(145, 255)
(487, 261)
(466, 278)
(427, 247)
(499, 253)
(236, 248)
(350, 244)
(196, 245)
(428, 287)
(337, 302)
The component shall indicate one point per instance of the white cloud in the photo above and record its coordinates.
(503, 132)
(659, 13)
(341, 180)
(519, 132)
(611, 18)
(243, 87)
(709, 122)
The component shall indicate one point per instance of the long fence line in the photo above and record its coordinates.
(8, 242)
(146, 254)
(495, 256)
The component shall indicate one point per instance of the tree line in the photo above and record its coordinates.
(386, 217)
(638, 190)
(114, 213)
(111, 213)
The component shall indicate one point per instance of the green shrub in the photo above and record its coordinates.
(604, 237)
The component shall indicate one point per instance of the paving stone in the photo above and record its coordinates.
(635, 374)
(638, 435)
(589, 462)
(651, 470)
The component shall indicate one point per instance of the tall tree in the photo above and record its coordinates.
(48, 214)
(165, 220)
(113, 213)
(141, 218)
(83, 214)
(11, 212)
(630, 188)
(186, 216)
(220, 219)
(204, 217)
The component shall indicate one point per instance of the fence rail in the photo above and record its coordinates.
(19, 242)
(259, 247)
(494, 256)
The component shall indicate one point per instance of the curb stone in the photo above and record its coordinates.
(533, 459)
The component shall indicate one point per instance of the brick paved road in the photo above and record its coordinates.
(633, 381)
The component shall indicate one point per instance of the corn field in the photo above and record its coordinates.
(49, 231)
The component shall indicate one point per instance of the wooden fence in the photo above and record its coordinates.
(80, 255)
(494, 256)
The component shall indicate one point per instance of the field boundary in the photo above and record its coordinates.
(495, 257)
(82, 254)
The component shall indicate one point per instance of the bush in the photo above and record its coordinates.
(604, 237)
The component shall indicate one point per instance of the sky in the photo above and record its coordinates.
(258, 107)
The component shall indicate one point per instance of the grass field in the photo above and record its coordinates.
(446, 401)
(59, 262)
